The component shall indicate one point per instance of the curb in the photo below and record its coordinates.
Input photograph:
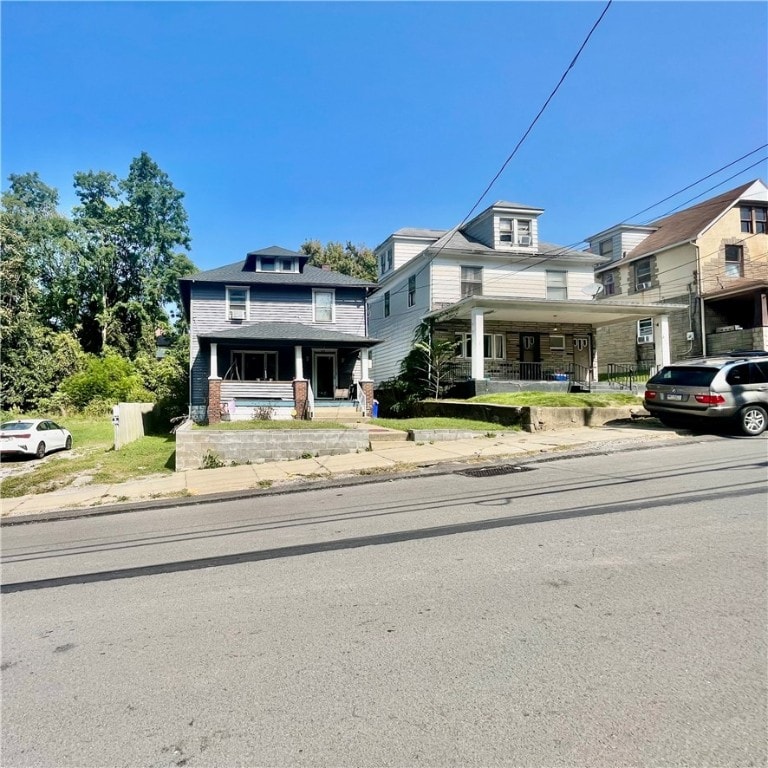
(343, 481)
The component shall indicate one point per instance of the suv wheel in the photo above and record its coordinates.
(753, 420)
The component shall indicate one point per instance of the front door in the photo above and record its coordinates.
(582, 358)
(324, 374)
(530, 357)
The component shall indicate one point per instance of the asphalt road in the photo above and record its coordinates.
(595, 611)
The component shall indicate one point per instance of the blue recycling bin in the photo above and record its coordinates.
(375, 409)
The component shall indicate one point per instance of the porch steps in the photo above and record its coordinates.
(341, 413)
(392, 437)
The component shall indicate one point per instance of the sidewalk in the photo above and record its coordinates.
(385, 459)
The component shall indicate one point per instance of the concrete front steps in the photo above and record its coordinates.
(344, 414)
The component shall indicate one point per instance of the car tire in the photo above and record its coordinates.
(753, 420)
(40, 452)
(68, 444)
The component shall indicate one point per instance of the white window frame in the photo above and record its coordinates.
(643, 285)
(557, 284)
(609, 283)
(512, 231)
(475, 281)
(738, 263)
(246, 307)
(285, 264)
(497, 342)
(390, 259)
(556, 346)
(411, 290)
(645, 331)
(605, 247)
(315, 293)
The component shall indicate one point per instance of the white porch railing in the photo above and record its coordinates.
(310, 401)
(362, 401)
(261, 390)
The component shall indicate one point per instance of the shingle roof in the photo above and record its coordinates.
(688, 224)
(288, 332)
(237, 273)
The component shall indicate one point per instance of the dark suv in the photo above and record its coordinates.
(733, 387)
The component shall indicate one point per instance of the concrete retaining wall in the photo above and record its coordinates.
(260, 445)
(528, 418)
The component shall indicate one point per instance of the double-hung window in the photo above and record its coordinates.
(734, 260)
(609, 283)
(754, 219)
(643, 274)
(387, 304)
(237, 303)
(557, 284)
(323, 305)
(515, 231)
(411, 290)
(471, 281)
(606, 247)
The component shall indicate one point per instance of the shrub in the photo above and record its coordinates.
(109, 378)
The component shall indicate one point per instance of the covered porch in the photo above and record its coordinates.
(512, 344)
(284, 371)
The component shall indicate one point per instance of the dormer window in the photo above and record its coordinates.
(515, 231)
(267, 264)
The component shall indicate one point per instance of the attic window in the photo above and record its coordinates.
(606, 247)
(286, 265)
(515, 231)
(267, 264)
(754, 219)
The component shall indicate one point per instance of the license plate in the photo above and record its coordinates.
(674, 397)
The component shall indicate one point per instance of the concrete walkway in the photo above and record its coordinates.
(387, 457)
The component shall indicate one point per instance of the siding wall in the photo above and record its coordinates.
(287, 304)
(397, 329)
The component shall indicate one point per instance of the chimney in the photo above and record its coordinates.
(327, 267)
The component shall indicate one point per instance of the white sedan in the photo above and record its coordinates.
(33, 437)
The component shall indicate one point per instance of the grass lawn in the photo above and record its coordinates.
(91, 457)
(559, 399)
(441, 422)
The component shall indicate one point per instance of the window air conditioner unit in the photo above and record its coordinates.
(642, 286)
(726, 328)
(646, 339)
(524, 240)
(237, 314)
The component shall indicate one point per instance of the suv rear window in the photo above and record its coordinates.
(685, 376)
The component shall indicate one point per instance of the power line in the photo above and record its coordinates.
(565, 249)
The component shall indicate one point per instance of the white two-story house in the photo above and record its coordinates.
(519, 309)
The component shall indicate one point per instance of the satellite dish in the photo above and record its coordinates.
(592, 289)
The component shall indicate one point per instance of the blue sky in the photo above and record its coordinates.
(346, 121)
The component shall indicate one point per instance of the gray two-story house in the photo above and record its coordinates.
(271, 332)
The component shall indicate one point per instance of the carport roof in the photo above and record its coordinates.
(291, 332)
(595, 312)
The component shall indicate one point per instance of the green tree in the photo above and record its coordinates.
(111, 378)
(130, 232)
(354, 260)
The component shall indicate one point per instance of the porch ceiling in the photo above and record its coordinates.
(595, 312)
(295, 333)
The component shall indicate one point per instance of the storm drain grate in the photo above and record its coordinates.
(502, 469)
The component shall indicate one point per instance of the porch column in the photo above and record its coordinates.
(364, 363)
(214, 388)
(298, 365)
(214, 360)
(661, 341)
(478, 326)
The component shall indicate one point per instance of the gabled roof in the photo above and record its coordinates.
(276, 250)
(687, 225)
